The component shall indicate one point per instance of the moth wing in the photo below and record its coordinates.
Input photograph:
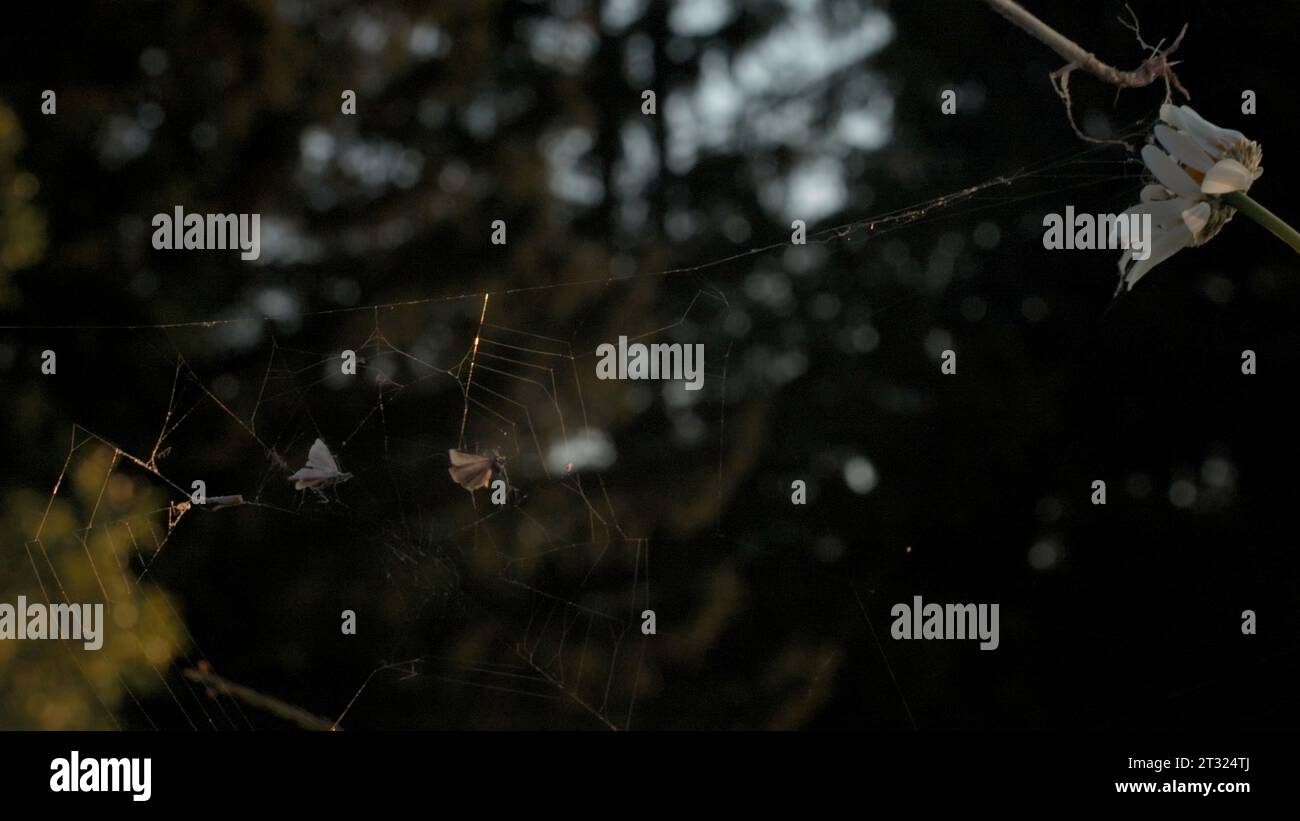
(459, 457)
(320, 458)
(308, 477)
(305, 478)
(472, 477)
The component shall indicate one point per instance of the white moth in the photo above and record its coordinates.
(472, 471)
(321, 470)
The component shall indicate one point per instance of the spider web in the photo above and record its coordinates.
(535, 604)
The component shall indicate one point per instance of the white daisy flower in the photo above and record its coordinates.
(1198, 168)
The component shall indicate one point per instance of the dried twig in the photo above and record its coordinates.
(218, 685)
(1157, 66)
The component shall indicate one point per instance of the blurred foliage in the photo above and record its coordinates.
(55, 685)
(22, 223)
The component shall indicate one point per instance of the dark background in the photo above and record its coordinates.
(762, 612)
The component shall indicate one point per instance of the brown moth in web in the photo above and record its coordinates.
(473, 471)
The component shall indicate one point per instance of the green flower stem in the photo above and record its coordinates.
(1264, 217)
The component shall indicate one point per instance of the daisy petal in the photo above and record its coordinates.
(1164, 214)
(1163, 246)
(1183, 148)
(1206, 134)
(1122, 285)
(1156, 193)
(1227, 176)
(1123, 263)
(1196, 218)
(1172, 114)
(1206, 130)
(1169, 173)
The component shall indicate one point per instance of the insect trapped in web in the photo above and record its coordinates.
(474, 471)
(321, 470)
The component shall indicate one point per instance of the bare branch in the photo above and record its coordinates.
(1157, 66)
(218, 685)
(1152, 69)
